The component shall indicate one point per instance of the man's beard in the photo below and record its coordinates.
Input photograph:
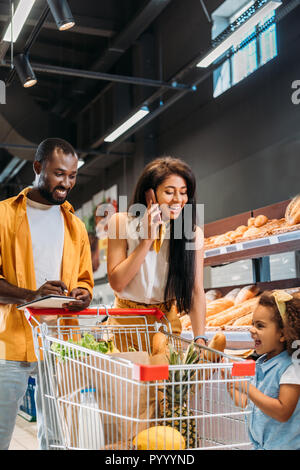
(49, 195)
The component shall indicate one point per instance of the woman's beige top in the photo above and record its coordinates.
(148, 285)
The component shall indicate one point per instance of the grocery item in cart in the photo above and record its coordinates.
(133, 395)
(159, 438)
(110, 397)
(91, 436)
(175, 398)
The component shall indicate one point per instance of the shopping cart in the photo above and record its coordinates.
(124, 400)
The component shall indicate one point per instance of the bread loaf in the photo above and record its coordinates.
(159, 343)
(233, 313)
(218, 343)
(212, 294)
(231, 295)
(244, 320)
(292, 213)
(260, 220)
(247, 292)
(218, 305)
(251, 221)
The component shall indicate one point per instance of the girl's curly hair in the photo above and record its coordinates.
(291, 323)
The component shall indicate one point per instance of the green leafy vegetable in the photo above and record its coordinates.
(87, 341)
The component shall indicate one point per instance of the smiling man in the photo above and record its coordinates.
(44, 249)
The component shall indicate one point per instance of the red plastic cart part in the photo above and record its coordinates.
(145, 373)
(242, 369)
(94, 311)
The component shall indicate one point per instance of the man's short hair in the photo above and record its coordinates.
(46, 148)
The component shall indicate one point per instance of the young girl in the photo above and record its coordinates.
(148, 263)
(274, 423)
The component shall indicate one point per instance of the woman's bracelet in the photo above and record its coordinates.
(205, 339)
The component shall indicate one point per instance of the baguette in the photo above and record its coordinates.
(233, 313)
(244, 320)
(212, 294)
(217, 306)
(231, 295)
(292, 212)
(218, 342)
(246, 293)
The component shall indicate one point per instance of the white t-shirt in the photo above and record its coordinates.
(47, 235)
(291, 375)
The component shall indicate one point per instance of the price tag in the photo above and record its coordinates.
(273, 240)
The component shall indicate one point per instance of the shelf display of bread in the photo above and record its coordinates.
(259, 227)
(233, 311)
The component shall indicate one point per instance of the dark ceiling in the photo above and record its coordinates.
(148, 48)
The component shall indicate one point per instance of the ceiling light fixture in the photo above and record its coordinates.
(62, 14)
(18, 20)
(80, 163)
(140, 114)
(24, 70)
(238, 34)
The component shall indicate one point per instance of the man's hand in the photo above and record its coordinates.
(83, 299)
(49, 288)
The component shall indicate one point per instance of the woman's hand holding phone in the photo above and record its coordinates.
(152, 217)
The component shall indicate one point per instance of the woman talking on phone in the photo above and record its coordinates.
(155, 250)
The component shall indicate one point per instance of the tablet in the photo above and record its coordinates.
(49, 301)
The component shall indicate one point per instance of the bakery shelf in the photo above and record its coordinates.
(234, 339)
(266, 246)
(250, 249)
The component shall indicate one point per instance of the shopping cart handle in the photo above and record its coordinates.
(29, 312)
(125, 312)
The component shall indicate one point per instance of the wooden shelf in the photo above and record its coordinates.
(258, 248)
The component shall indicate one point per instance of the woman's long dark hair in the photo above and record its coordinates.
(181, 277)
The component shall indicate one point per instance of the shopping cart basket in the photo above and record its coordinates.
(123, 400)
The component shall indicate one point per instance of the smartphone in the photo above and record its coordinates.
(150, 197)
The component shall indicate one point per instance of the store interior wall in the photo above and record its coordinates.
(243, 146)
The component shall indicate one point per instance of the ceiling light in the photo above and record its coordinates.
(238, 35)
(140, 114)
(24, 70)
(62, 14)
(18, 20)
(80, 163)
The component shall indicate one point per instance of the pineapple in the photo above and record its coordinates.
(176, 396)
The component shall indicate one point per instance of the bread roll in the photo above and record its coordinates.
(218, 343)
(251, 221)
(231, 295)
(252, 232)
(218, 305)
(292, 213)
(159, 343)
(212, 294)
(247, 292)
(260, 220)
(233, 313)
